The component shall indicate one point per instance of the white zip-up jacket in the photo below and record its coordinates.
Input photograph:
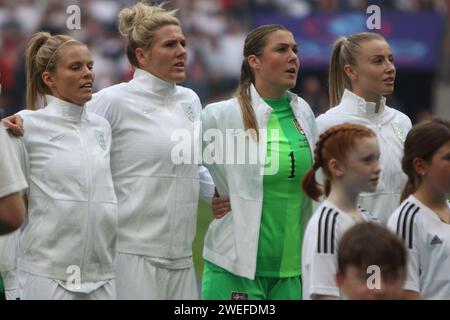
(391, 127)
(11, 180)
(8, 259)
(232, 242)
(72, 208)
(157, 196)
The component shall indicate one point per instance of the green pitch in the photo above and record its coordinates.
(204, 218)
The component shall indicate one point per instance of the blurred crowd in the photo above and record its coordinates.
(215, 31)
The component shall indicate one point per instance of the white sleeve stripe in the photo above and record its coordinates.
(325, 228)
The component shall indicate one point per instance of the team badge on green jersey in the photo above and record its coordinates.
(298, 127)
(239, 295)
(400, 132)
(101, 141)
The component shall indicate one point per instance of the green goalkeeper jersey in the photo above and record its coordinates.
(280, 236)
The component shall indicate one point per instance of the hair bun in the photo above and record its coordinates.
(127, 21)
(129, 18)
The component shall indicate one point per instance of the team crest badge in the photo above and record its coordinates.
(188, 111)
(101, 141)
(239, 295)
(400, 132)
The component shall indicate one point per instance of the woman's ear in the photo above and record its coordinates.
(350, 72)
(141, 56)
(48, 79)
(253, 62)
(335, 168)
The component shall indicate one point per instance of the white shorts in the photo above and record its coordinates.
(33, 287)
(137, 278)
(11, 287)
(12, 294)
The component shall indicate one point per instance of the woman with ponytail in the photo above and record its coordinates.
(423, 218)
(361, 73)
(157, 187)
(67, 246)
(348, 155)
(253, 250)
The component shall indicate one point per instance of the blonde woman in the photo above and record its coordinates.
(157, 191)
(157, 195)
(67, 246)
(361, 74)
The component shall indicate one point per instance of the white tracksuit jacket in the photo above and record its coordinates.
(11, 180)
(391, 127)
(157, 196)
(72, 207)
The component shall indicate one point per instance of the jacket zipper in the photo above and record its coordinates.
(172, 212)
(89, 182)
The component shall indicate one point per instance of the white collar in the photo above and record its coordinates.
(258, 101)
(263, 110)
(153, 84)
(358, 105)
(65, 109)
(426, 209)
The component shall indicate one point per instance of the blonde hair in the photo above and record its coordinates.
(344, 52)
(254, 45)
(139, 23)
(42, 55)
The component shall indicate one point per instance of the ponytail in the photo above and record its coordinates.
(254, 45)
(337, 80)
(42, 55)
(310, 185)
(35, 84)
(244, 99)
(344, 53)
(410, 187)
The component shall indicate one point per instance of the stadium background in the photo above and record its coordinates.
(418, 31)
